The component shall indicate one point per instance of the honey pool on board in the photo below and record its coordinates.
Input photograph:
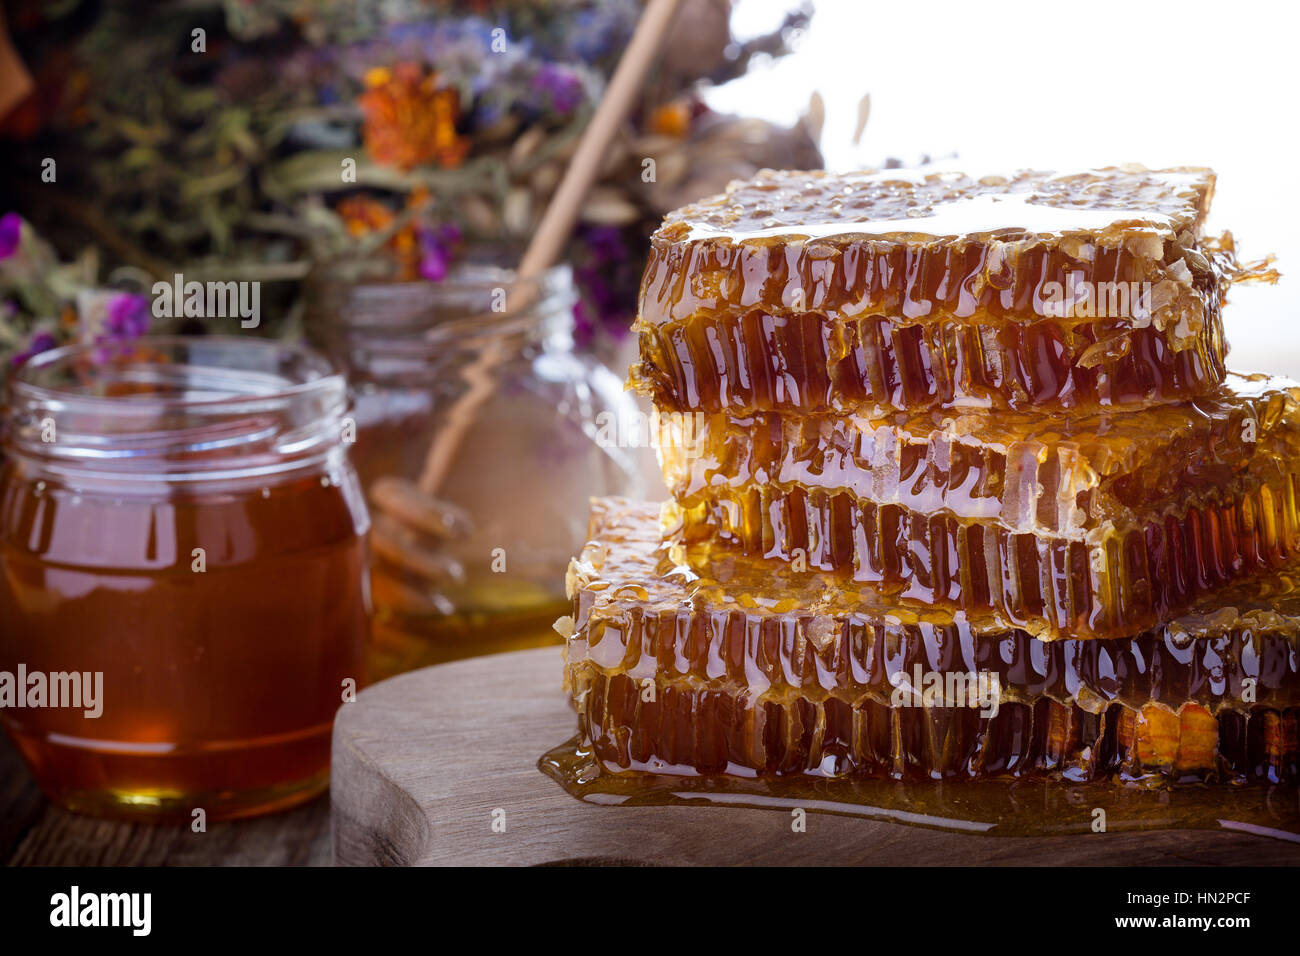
(1002, 807)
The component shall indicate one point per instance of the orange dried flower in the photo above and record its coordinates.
(362, 215)
(671, 119)
(408, 120)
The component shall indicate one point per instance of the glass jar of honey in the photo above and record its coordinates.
(183, 593)
(481, 436)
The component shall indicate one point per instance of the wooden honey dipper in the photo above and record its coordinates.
(409, 510)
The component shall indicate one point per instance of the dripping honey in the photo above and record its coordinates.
(906, 458)
(807, 292)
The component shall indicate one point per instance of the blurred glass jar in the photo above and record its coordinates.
(489, 412)
(182, 548)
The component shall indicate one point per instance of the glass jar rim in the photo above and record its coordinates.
(472, 301)
(20, 385)
(187, 408)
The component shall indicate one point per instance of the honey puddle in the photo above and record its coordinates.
(995, 807)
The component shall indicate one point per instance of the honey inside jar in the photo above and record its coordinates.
(477, 444)
(180, 527)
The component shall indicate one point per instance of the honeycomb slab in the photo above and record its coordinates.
(814, 291)
(771, 673)
(1084, 526)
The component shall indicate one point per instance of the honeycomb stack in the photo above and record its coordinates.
(960, 487)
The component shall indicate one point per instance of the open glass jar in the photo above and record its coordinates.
(182, 555)
(481, 436)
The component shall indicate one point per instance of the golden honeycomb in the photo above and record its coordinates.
(1093, 526)
(812, 291)
(961, 488)
(829, 682)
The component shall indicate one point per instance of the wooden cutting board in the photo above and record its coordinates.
(439, 766)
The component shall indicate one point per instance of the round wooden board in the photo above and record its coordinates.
(425, 763)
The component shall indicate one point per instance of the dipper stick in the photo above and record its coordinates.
(552, 232)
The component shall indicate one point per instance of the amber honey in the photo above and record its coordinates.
(810, 362)
(489, 618)
(195, 535)
(1052, 586)
(468, 556)
(944, 546)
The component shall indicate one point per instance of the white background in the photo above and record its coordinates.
(1067, 85)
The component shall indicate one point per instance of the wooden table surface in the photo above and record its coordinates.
(34, 832)
(423, 774)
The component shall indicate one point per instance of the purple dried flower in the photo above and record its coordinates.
(128, 316)
(559, 86)
(434, 264)
(437, 247)
(11, 232)
(598, 32)
(606, 244)
(584, 327)
(40, 342)
(607, 276)
(448, 234)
